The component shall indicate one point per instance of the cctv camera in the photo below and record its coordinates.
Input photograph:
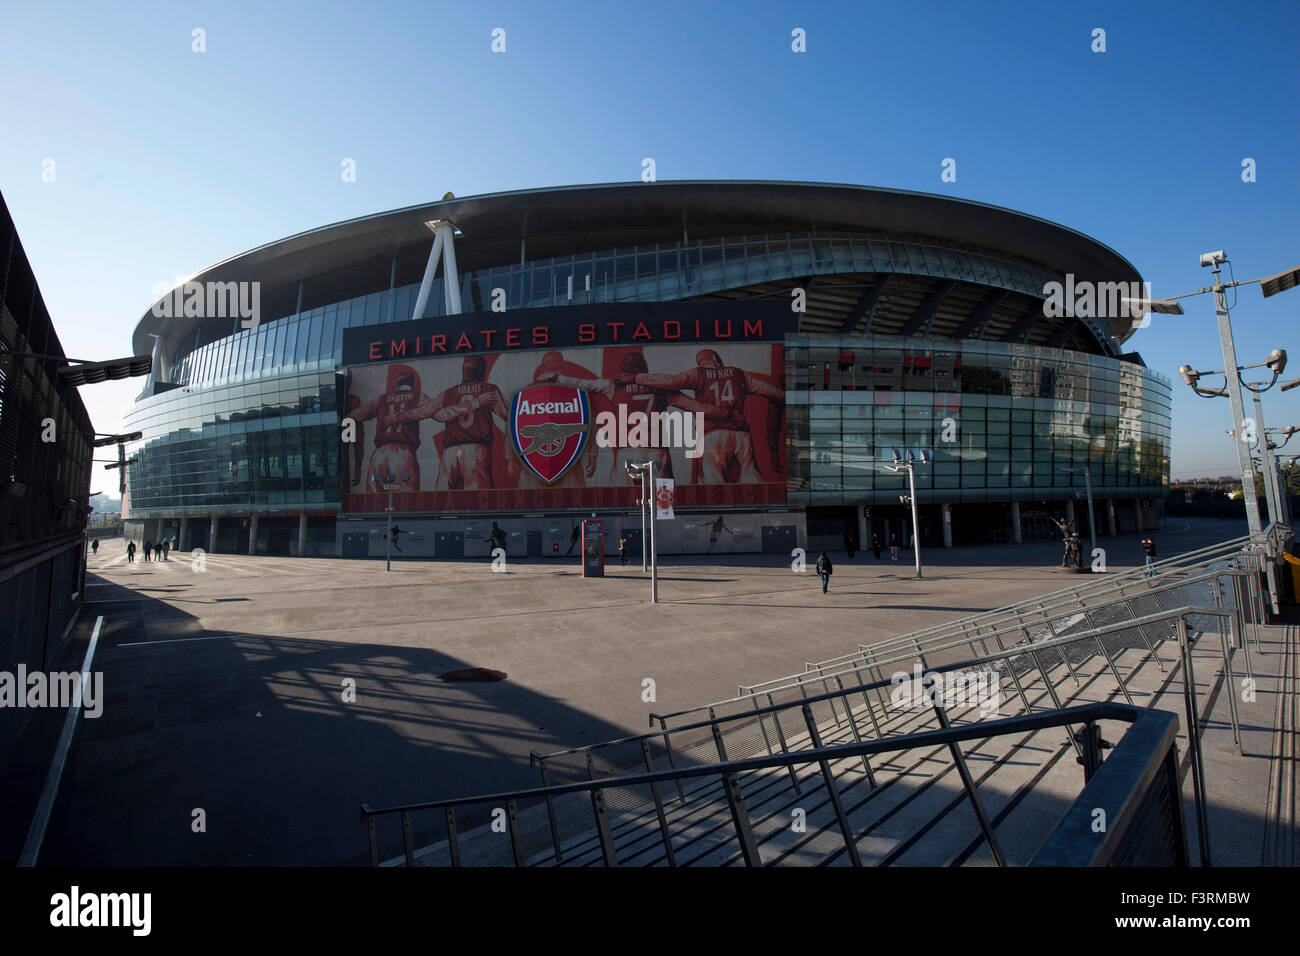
(1213, 258)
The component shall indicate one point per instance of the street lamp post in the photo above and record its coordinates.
(654, 547)
(646, 472)
(904, 461)
(1268, 465)
(1281, 493)
(1269, 286)
(389, 487)
(1233, 377)
(1092, 521)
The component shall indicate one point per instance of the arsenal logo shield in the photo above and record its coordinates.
(549, 425)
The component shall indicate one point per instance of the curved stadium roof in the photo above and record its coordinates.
(353, 257)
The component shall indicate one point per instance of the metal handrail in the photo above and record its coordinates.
(1235, 617)
(852, 673)
(1119, 788)
(808, 678)
(1017, 651)
(1229, 638)
(728, 771)
(1115, 581)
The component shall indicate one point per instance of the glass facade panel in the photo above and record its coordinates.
(996, 417)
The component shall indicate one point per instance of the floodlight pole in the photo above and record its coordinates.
(1233, 377)
(1092, 519)
(1268, 464)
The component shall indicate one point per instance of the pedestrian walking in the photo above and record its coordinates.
(825, 569)
(130, 552)
(875, 546)
(850, 544)
(94, 546)
(1149, 546)
(893, 549)
(166, 546)
(148, 547)
(622, 549)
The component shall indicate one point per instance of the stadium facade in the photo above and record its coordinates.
(813, 329)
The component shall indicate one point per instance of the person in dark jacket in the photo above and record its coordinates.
(1149, 547)
(875, 546)
(825, 569)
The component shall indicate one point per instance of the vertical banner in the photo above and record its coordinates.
(664, 490)
(593, 549)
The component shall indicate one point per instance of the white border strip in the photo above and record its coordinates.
(36, 835)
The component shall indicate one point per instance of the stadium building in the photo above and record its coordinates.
(465, 356)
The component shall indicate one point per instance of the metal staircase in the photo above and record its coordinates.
(884, 757)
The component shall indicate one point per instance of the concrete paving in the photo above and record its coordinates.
(228, 688)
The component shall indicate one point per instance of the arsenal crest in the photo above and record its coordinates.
(549, 426)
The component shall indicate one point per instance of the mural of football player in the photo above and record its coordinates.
(397, 437)
(728, 449)
(466, 411)
(638, 398)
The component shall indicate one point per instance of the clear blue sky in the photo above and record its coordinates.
(167, 160)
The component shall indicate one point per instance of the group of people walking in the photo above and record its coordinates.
(156, 552)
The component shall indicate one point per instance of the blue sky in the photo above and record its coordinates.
(167, 160)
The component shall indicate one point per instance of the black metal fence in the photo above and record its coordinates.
(45, 462)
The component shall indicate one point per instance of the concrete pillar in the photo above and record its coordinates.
(864, 539)
(1110, 517)
(182, 537)
(947, 524)
(302, 534)
(252, 535)
(1069, 509)
(1016, 534)
(1137, 511)
(212, 537)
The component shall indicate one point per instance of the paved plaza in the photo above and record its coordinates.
(277, 694)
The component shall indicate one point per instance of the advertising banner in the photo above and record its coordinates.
(664, 499)
(554, 428)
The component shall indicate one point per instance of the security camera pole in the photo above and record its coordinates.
(904, 461)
